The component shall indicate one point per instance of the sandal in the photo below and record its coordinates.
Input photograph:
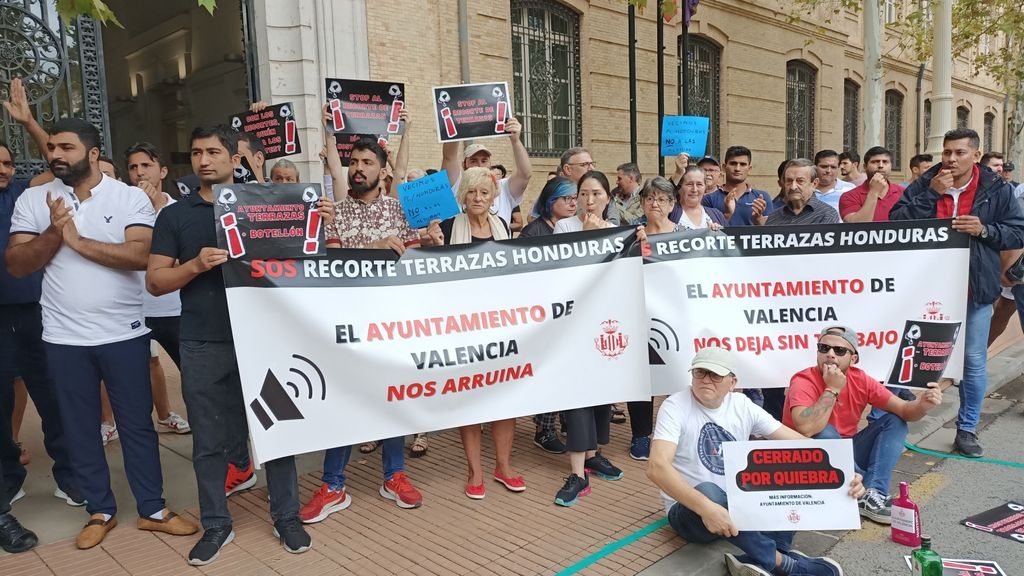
(618, 416)
(419, 446)
(369, 447)
(23, 457)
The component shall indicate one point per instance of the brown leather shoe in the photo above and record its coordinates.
(95, 530)
(171, 524)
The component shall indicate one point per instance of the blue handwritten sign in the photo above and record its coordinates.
(687, 134)
(427, 198)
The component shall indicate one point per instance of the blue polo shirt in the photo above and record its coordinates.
(743, 216)
(13, 290)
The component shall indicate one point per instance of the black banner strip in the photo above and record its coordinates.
(745, 241)
(354, 267)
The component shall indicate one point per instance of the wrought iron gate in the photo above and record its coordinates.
(61, 66)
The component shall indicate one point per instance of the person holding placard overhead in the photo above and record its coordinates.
(477, 189)
(687, 465)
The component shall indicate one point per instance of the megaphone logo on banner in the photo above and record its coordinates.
(275, 403)
(662, 337)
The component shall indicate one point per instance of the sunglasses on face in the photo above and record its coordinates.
(839, 350)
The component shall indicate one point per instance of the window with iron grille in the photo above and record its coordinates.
(894, 126)
(704, 71)
(990, 132)
(546, 75)
(963, 117)
(801, 84)
(851, 116)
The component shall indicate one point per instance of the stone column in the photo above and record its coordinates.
(942, 74)
(872, 76)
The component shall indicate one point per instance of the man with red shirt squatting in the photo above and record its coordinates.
(981, 204)
(826, 401)
(872, 200)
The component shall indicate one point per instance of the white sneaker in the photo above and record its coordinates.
(17, 496)
(108, 432)
(175, 423)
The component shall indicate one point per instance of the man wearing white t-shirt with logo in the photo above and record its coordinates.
(686, 463)
(91, 234)
(511, 189)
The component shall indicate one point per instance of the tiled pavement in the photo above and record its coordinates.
(505, 533)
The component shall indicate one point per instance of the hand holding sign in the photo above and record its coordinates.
(684, 134)
(469, 111)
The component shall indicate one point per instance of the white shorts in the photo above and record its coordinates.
(154, 349)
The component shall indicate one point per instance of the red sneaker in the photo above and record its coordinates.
(239, 480)
(324, 503)
(476, 492)
(401, 491)
(513, 483)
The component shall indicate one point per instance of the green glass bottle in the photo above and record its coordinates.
(925, 561)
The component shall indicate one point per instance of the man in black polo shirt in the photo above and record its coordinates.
(185, 234)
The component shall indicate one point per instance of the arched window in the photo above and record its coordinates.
(851, 116)
(546, 75)
(894, 127)
(801, 85)
(990, 131)
(963, 117)
(704, 71)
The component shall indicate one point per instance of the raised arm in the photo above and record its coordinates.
(450, 161)
(20, 111)
(402, 157)
(521, 177)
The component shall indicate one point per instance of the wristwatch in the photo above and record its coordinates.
(984, 232)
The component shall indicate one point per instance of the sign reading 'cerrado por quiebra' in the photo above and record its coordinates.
(363, 344)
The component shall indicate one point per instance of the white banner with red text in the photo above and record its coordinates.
(363, 345)
(765, 293)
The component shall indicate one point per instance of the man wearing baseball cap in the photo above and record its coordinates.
(826, 401)
(686, 464)
(511, 189)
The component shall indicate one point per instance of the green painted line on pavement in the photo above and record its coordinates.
(611, 547)
(960, 457)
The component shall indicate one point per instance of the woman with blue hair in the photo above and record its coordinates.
(556, 201)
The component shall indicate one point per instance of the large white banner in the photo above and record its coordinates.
(767, 292)
(361, 345)
(779, 485)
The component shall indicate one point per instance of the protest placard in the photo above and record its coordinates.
(957, 567)
(777, 485)
(687, 134)
(439, 338)
(268, 220)
(470, 111)
(427, 198)
(924, 351)
(365, 106)
(1006, 521)
(274, 125)
(765, 293)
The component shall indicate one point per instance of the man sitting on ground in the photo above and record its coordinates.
(686, 463)
(827, 400)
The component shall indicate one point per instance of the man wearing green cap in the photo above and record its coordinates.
(686, 463)
(827, 400)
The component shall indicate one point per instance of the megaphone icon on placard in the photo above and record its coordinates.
(275, 404)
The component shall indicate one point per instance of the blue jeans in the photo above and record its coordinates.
(975, 383)
(392, 457)
(876, 449)
(759, 546)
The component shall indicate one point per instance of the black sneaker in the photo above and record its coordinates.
(599, 465)
(967, 444)
(208, 548)
(875, 506)
(14, 537)
(293, 536)
(573, 489)
(548, 441)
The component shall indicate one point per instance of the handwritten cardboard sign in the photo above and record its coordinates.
(365, 106)
(427, 198)
(470, 111)
(274, 125)
(687, 134)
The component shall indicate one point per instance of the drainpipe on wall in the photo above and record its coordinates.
(464, 40)
(917, 120)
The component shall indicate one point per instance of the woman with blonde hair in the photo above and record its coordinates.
(476, 193)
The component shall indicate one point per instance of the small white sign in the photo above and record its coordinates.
(777, 485)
